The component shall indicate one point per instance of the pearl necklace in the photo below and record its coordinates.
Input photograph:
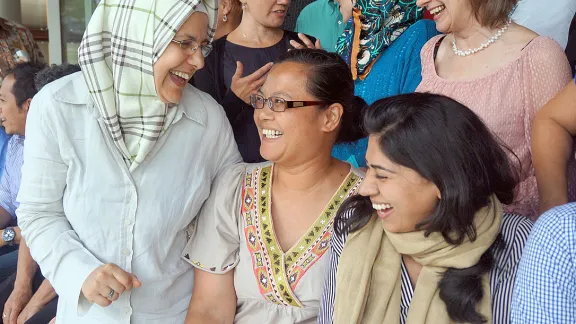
(483, 46)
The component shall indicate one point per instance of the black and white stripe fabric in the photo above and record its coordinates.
(514, 232)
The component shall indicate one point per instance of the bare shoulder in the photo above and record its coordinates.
(522, 31)
(523, 42)
(519, 36)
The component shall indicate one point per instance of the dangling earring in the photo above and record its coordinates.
(225, 18)
(243, 5)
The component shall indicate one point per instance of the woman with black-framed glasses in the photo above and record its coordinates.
(259, 244)
(238, 65)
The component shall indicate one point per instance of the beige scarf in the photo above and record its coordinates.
(368, 281)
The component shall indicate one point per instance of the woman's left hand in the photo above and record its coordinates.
(306, 42)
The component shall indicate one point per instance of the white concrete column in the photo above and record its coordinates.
(11, 10)
(54, 32)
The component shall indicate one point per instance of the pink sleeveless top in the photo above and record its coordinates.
(507, 100)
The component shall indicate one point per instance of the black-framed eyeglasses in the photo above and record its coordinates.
(191, 46)
(279, 104)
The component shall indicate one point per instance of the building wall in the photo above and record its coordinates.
(10, 10)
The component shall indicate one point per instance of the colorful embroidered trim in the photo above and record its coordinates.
(278, 273)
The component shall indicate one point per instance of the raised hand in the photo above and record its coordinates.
(243, 87)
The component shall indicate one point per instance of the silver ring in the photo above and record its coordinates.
(111, 294)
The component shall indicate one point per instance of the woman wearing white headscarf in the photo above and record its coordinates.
(119, 159)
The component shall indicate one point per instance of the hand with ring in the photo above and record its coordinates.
(105, 284)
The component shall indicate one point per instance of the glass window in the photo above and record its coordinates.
(74, 15)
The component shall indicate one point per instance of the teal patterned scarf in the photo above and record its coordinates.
(374, 25)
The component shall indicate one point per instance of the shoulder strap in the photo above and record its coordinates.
(437, 46)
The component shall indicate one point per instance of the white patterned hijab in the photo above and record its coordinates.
(122, 42)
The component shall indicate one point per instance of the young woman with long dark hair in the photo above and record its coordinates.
(427, 240)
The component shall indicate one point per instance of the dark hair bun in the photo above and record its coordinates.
(330, 80)
(352, 129)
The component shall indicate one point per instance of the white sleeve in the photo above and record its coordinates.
(53, 243)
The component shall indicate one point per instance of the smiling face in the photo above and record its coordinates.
(449, 15)
(174, 67)
(268, 13)
(13, 117)
(401, 197)
(295, 135)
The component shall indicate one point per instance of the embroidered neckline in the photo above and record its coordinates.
(276, 271)
(309, 237)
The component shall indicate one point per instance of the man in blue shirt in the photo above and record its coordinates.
(4, 138)
(545, 290)
(16, 94)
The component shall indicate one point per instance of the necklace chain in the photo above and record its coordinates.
(490, 41)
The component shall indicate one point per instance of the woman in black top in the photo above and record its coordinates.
(238, 65)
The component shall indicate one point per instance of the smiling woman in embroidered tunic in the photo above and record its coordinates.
(260, 241)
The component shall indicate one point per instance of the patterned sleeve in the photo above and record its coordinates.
(329, 294)
(215, 238)
(546, 279)
(5, 194)
(515, 231)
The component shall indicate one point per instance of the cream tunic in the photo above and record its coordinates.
(235, 232)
